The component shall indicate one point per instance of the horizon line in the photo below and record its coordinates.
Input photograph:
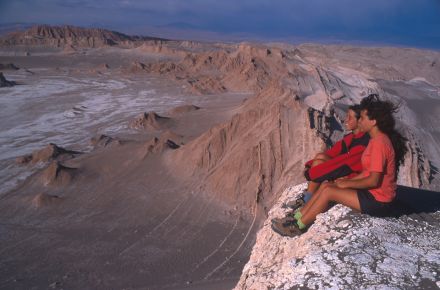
(204, 35)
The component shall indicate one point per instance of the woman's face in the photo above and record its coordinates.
(351, 123)
(365, 124)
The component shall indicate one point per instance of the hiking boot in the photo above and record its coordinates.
(295, 204)
(290, 230)
(285, 221)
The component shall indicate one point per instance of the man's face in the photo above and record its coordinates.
(351, 123)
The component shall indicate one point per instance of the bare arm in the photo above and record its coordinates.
(359, 182)
(357, 177)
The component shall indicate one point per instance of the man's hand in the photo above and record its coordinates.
(342, 183)
(324, 185)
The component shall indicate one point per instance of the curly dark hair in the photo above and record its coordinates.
(382, 112)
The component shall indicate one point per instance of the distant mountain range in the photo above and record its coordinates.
(61, 36)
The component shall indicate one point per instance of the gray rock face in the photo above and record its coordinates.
(347, 74)
(340, 87)
(342, 250)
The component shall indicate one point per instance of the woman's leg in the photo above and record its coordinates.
(345, 196)
(309, 204)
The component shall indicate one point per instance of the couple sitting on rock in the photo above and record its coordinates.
(360, 171)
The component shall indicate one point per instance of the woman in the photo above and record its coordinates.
(342, 159)
(372, 191)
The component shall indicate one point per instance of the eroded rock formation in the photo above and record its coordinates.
(57, 174)
(100, 141)
(48, 153)
(151, 121)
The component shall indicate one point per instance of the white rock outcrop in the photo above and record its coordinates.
(346, 250)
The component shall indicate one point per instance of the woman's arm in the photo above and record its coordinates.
(357, 177)
(359, 182)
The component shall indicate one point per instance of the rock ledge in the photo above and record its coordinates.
(343, 249)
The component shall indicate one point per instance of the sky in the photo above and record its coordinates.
(397, 22)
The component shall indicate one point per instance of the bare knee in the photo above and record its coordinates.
(317, 162)
(327, 192)
(321, 156)
(326, 185)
